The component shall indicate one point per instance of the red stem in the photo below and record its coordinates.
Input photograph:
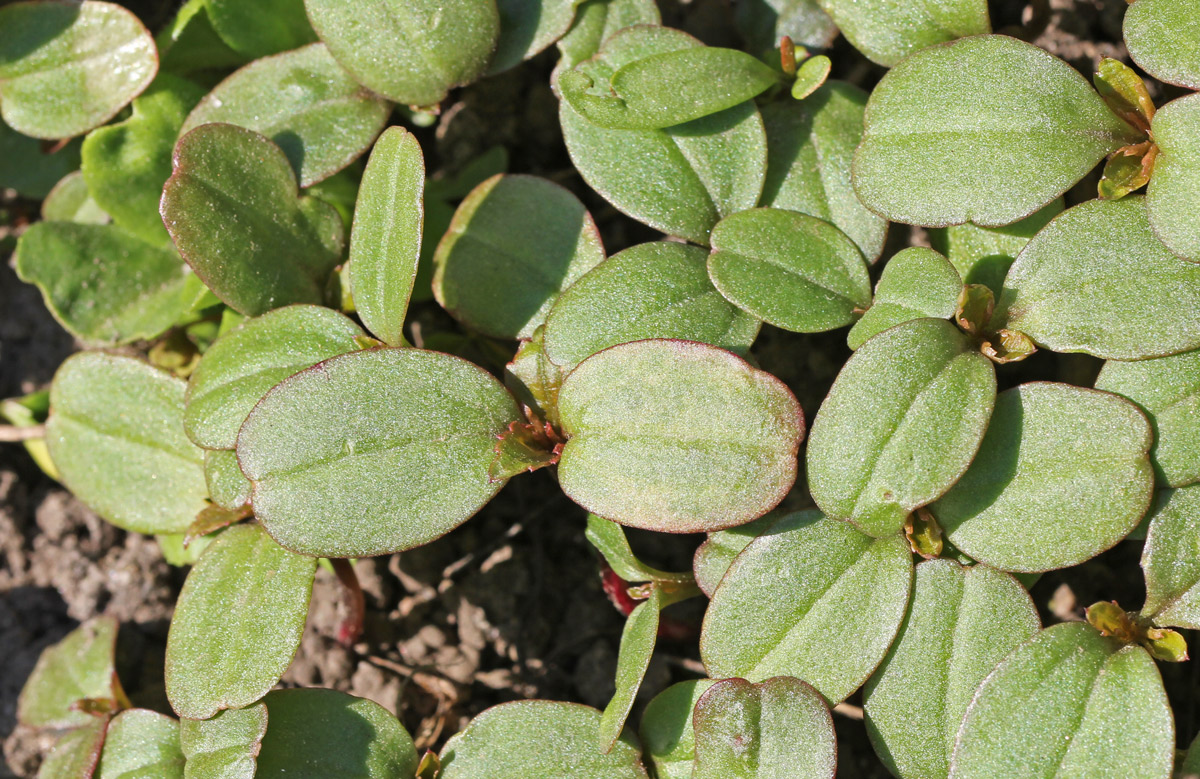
(352, 596)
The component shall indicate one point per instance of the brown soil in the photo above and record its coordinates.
(508, 606)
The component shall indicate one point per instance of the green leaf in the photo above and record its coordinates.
(1167, 390)
(810, 76)
(962, 622)
(1068, 703)
(516, 242)
(189, 42)
(679, 180)
(794, 271)
(261, 28)
(1191, 761)
(811, 145)
(538, 740)
(653, 290)
(633, 658)
(141, 744)
(329, 733)
(127, 163)
(76, 753)
(666, 88)
(596, 21)
(402, 436)
(178, 555)
(70, 201)
(1063, 474)
(1136, 300)
(385, 243)
(228, 487)
(79, 666)
(887, 33)
(250, 359)
(116, 436)
(226, 746)
(666, 729)
(68, 67)
(778, 729)
(232, 209)
(609, 540)
(1163, 37)
(295, 98)
(677, 436)
(103, 284)
(1175, 185)
(27, 168)
(534, 380)
(409, 51)
(916, 283)
(1171, 559)
(237, 624)
(982, 255)
(1007, 129)
(527, 27)
(900, 425)
(716, 554)
(789, 601)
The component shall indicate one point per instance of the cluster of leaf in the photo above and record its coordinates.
(282, 416)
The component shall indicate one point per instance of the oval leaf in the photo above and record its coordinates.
(127, 163)
(1163, 37)
(1175, 185)
(141, 744)
(680, 180)
(410, 51)
(329, 733)
(68, 67)
(374, 452)
(962, 622)
(713, 557)
(1068, 703)
(538, 740)
(1007, 129)
(794, 271)
(77, 752)
(237, 624)
(811, 147)
(1171, 559)
(915, 284)
(1137, 300)
(116, 436)
(667, 88)
(295, 98)
(677, 436)
(790, 599)
(385, 243)
(252, 358)
(261, 28)
(1168, 391)
(78, 667)
(667, 732)
(232, 209)
(103, 284)
(653, 290)
(633, 658)
(887, 33)
(1063, 474)
(778, 729)
(900, 425)
(515, 243)
(70, 201)
(527, 28)
(225, 746)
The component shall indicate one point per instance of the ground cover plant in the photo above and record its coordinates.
(254, 221)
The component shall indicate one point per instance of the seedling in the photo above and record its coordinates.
(254, 231)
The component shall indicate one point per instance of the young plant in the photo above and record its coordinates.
(287, 410)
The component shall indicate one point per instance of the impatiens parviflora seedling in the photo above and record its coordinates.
(283, 416)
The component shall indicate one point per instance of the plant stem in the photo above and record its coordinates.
(11, 434)
(352, 596)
